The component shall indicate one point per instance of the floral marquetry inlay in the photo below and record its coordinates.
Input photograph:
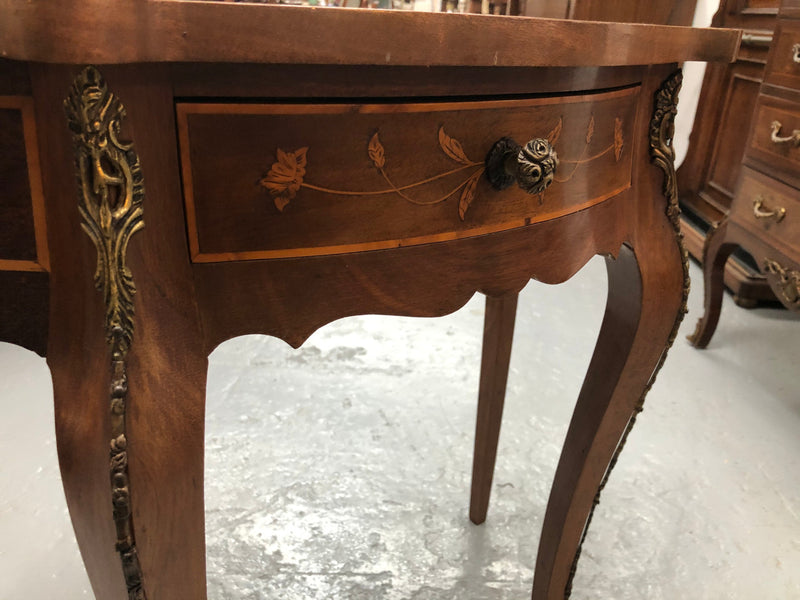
(287, 174)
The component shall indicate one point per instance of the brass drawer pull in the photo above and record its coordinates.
(775, 129)
(796, 53)
(532, 166)
(760, 212)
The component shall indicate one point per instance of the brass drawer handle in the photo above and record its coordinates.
(760, 212)
(533, 166)
(775, 129)
(796, 53)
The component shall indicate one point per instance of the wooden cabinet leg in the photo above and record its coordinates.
(125, 347)
(498, 334)
(715, 255)
(164, 456)
(644, 298)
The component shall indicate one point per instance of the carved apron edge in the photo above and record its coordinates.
(662, 154)
(110, 198)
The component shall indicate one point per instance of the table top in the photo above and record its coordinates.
(96, 31)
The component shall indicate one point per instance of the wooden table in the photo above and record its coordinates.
(291, 166)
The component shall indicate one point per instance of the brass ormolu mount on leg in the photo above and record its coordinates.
(110, 197)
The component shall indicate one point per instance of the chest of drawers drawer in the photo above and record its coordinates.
(318, 179)
(769, 209)
(783, 65)
(775, 139)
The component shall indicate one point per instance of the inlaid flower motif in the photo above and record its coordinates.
(537, 163)
(285, 176)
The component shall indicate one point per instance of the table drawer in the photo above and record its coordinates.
(783, 65)
(316, 179)
(775, 138)
(769, 209)
(22, 235)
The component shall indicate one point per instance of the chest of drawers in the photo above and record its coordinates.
(708, 176)
(764, 218)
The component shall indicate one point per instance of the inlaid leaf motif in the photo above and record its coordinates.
(376, 153)
(452, 147)
(590, 130)
(285, 176)
(468, 194)
(553, 136)
(618, 140)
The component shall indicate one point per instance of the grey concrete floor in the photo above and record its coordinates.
(341, 470)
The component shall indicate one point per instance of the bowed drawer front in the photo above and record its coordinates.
(316, 179)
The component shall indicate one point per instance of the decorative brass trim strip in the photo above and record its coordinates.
(110, 197)
(662, 153)
(784, 282)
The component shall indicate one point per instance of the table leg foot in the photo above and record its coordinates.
(498, 334)
(715, 255)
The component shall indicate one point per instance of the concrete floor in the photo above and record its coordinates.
(349, 478)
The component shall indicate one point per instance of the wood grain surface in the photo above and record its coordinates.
(95, 31)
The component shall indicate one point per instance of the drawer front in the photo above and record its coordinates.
(22, 235)
(783, 66)
(775, 138)
(284, 180)
(769, 209)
